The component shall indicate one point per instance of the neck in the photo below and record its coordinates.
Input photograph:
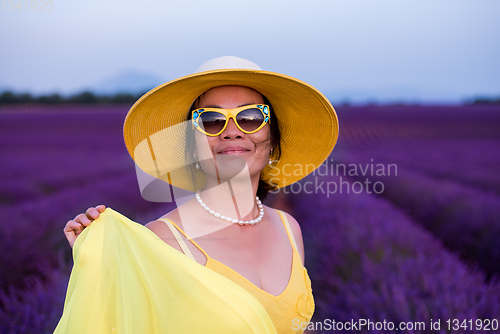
(233, 198)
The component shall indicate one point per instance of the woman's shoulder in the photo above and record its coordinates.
(296, 231)
(161, 229)
(294, 224)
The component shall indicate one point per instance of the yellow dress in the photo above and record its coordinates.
(125, 279)
(289, 311)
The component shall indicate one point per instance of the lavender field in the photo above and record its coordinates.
(421, 245)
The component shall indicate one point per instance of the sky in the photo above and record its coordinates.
(428, 51)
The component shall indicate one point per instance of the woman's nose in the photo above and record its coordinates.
(231, 131)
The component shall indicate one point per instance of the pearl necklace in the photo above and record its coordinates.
(229, 220)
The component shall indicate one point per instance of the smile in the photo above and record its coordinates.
(233, 150)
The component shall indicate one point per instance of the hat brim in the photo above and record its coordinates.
(155, 130)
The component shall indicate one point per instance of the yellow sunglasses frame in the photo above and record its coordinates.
(230, 113)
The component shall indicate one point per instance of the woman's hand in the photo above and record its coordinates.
(74, 227)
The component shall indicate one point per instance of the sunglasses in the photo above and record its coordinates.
(213, 121)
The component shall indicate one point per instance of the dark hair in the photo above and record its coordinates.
(264, 185)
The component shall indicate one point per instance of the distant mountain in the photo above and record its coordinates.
(131, 82)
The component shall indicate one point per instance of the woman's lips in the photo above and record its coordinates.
(233, 150)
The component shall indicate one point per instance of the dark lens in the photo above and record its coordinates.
(250, 119)
(212, 122)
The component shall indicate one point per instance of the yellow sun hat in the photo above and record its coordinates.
(156, 125)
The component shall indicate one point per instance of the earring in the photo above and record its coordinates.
(270, 161)
(197, 164)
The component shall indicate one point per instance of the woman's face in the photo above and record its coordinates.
(232, 148)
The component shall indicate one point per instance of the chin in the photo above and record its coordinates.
(229, 166)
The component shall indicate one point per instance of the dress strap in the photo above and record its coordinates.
(288, 229)
(178, 237)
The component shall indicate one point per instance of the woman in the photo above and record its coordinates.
(247, 131)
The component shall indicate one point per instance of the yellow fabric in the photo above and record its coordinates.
(292, 307)
(125, 279)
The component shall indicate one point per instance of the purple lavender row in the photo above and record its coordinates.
(464, 218)
(384, 124)
(37, 309)
(37, 174)
(46, 152)
(471, 162)
(368, 260)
